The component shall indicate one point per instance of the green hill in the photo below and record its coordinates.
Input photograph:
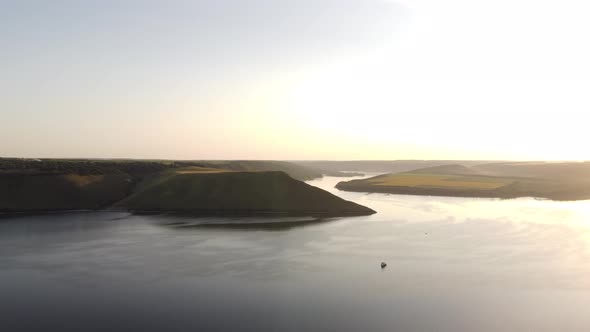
(142, 167)
(56, 192)
(557, 181)
(447, 169)
(381, 166)
(176, 186)
(295, 171)
(237, 192)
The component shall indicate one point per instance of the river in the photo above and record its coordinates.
(454, 264)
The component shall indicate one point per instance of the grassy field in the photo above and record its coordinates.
(558, 181)
(440, 181)
(200, 170)
(141, 168)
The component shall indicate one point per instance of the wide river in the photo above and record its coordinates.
(454, 264)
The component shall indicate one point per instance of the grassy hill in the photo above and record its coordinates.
(237, 192)
(55, 192)
(381, 166)
(142, 167)
(200, 187)
(298, 172)
(558, 181)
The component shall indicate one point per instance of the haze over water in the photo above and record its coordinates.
(454, 264)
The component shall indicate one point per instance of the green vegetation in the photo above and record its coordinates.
(54, 192)
(558, 181)
(142, 167)
(237, 192)
(173, 186)
(425, 180)
(381, 166)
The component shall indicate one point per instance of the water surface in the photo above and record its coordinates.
(454, 264)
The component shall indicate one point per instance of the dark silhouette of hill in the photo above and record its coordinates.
(182, 186)
(55, 192)
(237, 192)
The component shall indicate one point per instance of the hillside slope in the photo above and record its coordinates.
(142, 167)
(557, 181)
(298, 172)
(56, 192)
(200, 187)
(240, 193)
(381, 166)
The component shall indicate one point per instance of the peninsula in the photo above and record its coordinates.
(550, 180)
(199, 188)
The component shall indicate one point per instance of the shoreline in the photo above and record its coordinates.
(411, 191)
(196, 213)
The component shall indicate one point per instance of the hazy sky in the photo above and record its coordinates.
(299, 79)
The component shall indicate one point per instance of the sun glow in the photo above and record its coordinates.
(444, 81)
(367, 107)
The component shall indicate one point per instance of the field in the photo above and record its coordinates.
(447, 181)
(558, 181)
(200, 170)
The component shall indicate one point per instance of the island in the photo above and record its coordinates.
(196, 188)
(549, 180)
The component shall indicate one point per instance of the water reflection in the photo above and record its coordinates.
(240, 223)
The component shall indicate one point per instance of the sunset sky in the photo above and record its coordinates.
(305, 79)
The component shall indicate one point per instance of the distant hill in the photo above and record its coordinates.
(381, 166)
(196, 187)
(140, 167)
(557, 181)
(557, 170)
(448, 169)
(57, 192)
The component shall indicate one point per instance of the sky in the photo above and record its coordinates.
(292, 80)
